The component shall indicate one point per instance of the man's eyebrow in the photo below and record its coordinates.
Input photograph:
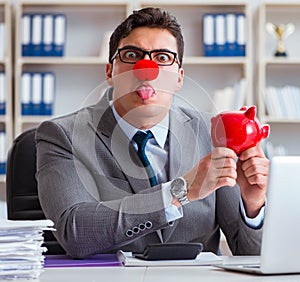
(135, 47)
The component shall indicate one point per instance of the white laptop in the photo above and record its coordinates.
(280, 249)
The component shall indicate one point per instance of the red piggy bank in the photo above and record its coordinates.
(238, 130)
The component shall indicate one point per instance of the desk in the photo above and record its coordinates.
(155, 274)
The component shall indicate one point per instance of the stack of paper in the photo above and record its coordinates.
(21, 250)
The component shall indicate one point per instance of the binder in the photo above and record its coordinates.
(2, 93)
(241, 34)
(48, 35)
(36, 93)
(220, 35)
(2, 41)
(230, 45)
(208, 35)
(26, 35)
(26, 86)
(37, 34)
(2, 150)
(48, 93)
(59, 34)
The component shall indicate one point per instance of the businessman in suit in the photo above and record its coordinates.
(101, 193)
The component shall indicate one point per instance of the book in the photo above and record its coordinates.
(2, 93)
(204, 258)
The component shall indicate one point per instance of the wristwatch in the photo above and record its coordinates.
(179, 190)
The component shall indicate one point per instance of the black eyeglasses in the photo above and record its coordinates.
(131, 54)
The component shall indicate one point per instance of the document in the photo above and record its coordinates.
(204, 258)
(21, 250)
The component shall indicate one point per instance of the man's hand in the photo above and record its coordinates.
(252, 177)
(215, 170)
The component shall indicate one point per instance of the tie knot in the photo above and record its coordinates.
(141, 138)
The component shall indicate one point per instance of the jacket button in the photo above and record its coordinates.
(129, 233)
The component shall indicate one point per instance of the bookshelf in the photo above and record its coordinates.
(82, 68)
(200, 71)
(276, 75)
(6, 122)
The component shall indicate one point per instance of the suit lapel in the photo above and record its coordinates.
(119, 145)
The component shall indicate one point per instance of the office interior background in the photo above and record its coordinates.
(73, 69)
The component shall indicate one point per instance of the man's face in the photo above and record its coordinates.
(131, 105)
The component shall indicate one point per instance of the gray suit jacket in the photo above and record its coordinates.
(92, 185)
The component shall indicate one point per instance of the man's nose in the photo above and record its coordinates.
(147, 57)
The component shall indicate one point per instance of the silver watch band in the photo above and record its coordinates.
(184, 200)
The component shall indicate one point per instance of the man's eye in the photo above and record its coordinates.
(131, 55)
(162, 57)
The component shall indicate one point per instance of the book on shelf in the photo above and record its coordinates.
(43, 34)
(37, 93)
(3, 151)
(224, 34)
(229, 98)
(3, 93)
(283, 102)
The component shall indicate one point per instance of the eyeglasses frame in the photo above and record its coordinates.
(145, 52)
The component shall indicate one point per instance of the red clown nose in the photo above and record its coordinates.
(146, 70)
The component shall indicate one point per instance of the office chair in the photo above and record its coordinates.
(21, 186)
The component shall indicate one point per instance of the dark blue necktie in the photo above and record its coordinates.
(141, 139)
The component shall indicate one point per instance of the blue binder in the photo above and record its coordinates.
(26, 35)
(2, 150)
(26, 85)
(2, 93)
(208, 35)
(59, 34)
(220, 34)
(48, 35)
(241, 34)
(36, 93)
(36, 39)
(48, 93)
(231, 35)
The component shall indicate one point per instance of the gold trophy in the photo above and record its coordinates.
(280, 32)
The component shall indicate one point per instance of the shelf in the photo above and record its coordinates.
(280, 73)
(63, 60)
(271, 119)
(192, 60)
(283, 61)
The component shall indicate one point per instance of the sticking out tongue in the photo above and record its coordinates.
(145, 92)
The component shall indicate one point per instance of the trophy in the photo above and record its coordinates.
(280, 32)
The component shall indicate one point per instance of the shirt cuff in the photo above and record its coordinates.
(255, 222)
(172, 212)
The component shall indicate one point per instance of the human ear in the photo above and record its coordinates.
(108, 73)
(180, 79)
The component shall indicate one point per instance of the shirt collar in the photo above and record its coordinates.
(160, 130)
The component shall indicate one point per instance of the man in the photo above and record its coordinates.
(103, 195)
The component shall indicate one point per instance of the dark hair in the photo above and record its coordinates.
(149, 17)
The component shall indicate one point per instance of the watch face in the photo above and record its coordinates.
(178, 188)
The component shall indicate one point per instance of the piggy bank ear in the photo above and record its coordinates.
(251, 113)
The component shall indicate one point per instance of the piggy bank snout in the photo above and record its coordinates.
(265, 131)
